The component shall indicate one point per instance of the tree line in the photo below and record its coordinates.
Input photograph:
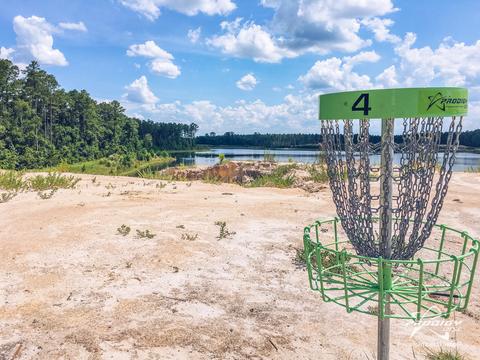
(469, 138)
(42, 124)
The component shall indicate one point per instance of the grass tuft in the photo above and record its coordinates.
(443, 354)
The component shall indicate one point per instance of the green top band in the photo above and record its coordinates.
(394, 103)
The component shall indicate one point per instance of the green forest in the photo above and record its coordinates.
(311, 141)
(42, 125)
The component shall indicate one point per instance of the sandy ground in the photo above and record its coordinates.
(72, 288)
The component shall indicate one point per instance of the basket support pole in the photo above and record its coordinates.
(386, 188)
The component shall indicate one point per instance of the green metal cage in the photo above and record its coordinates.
(435, 283)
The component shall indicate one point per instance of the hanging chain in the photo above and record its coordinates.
(418, 193)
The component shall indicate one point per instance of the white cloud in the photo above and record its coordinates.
(249, 40)
(80, 26)
(165, 68)
(388, 78)
(452, 63)
(247, 82)
(151, 8)
(323, 26)
(6, 53)
(149, 49)
(35, 40)
(337, 74)
(138, 92)
(293, 114)
(380, 28)
(194, 35)
(162, 61)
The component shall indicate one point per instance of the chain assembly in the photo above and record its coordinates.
(422, 167)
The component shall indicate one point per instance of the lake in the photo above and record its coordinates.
(464, 160)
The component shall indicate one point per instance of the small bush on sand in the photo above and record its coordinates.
(223, 230)
(11, 181)
(142, 234)
(443, 354)
(6, 197)
(123, 230)
(52, 181)
(278, 178)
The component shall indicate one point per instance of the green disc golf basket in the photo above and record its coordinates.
(384, 253)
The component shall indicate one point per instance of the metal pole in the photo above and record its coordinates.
(386, 187)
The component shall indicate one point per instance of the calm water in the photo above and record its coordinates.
(463, 162)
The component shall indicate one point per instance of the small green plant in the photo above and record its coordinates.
(123, 230)
(318, 173)
(52, 181)
(11, 181)
(268, 156)
(160, 185)
(142, 234)
(6, 197)
(280, 178)
(223, 231)
(221, 158)
(45, 195)
(189, 237)
(443, 354)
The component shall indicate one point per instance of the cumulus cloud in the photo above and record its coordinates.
(452, 63)
(337, 73)
(79, 26)
(162, 61)
(151, 8)
(247, 82)
(6, 53)
(323, 26)
(35, 40)
(380, 28)
(194, 35)
(249, 40)
(138, 92)
(294, 114)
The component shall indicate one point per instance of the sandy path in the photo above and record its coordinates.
(72, 288)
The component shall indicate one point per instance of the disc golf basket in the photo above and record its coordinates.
(384, 254)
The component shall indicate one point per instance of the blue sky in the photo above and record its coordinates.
(244, 66)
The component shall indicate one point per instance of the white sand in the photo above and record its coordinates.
(74, 289)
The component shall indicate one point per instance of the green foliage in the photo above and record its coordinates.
(145, 234)
(123, 230)
(52, 181)
(278, 178)
(11, 181)
(318, 173)
(443, 354)
(221, 158)
(42, 125)
(223, 230)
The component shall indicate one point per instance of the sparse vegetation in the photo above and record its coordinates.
(48, 194)
(280, 178)
(223, 230)
(318, 173)
(268, 156)
(221, 158)
(123, 230)
(189, 237)
(443, 354)
(6, 197)
(142, 234)
(52, 181)
(11, 181)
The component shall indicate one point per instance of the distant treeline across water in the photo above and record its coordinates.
(467, 138)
